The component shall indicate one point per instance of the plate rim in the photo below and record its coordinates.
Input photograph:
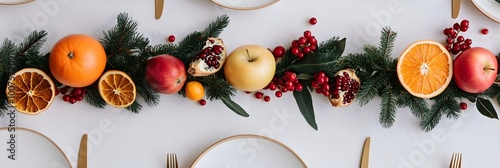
(17, 3)
(44, 136)
(245, 8)
(487, 14)
(243, 136)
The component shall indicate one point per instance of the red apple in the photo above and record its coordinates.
(475, 70)
(165, 74)
(250, 67)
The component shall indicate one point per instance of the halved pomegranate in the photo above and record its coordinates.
(210, 59)
(343, 88)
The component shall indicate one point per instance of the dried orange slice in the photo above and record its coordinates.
(194, 90)
(425, 68)
(30, 91)
(117, 88)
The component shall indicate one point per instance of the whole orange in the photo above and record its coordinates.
(77, 60)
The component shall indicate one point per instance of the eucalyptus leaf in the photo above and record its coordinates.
(304, 101)
(316, 62)
(486, 108)
(233, 106)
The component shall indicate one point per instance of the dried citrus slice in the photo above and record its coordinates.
(194, 90)
(425, 68)
(30, 91)
(117, 88)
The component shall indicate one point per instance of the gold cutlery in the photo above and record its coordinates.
(171, 160)
(455, 8)
(365, 156)
(456, 160)
(158, 8)
(82, 152)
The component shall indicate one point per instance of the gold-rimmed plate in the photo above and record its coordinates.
(14, 2)
(490, 8)
(248, 150)
(23, 147)
(244, 4)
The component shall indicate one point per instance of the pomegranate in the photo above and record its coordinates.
(210, 59)
(165, 74)
(343, 88)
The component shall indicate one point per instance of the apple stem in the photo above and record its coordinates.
(492, 69)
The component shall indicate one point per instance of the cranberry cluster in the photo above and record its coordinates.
(304, 45)
(70, 94)
(455, 42)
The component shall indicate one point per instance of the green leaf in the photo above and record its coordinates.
(316, 62)
(486, 108)
(235, 107)
(304, 101)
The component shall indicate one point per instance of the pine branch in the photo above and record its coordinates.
(387, 40)
(134, 107)
(151, 97)
(33, 42)
(369, 89)
(215, 28)
(94, 98)
(6, 51)
(123, 38)
(286, 61)
(388, 107)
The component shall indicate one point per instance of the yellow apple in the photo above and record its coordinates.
(250, 67)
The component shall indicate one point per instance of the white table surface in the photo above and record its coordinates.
(118, 138)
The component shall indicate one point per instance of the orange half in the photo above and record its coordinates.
(30, 91)
(117, 88)
(425, 68)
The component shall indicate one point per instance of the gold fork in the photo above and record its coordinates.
(456, 160)
(171, 160)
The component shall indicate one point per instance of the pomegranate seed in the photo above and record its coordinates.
(278, 94)
(313, 21)
(202, 102)
(259, 95)
(485, 31)
(463, 106)
(171, 38)
(267, 98)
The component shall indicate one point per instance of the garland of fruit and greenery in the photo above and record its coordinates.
(128, 50)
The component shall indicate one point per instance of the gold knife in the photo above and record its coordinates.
(158, 8)
(365, 156)
(82, 152)
(455, 8)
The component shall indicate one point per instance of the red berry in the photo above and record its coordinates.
(463, 106)
(76, 91)
(299, 87)
(79, 97)
(307, 34)
(279, 51)
(248, 92)
(313, 21)
(456, 26)
(300, 55)
(306, 50)
(314, 84)
(449, 41)
(267, 98)
(313, 47)
(278, 94)
(295, 43)
(312, 40)
(272, 86)
(202, 102)
(259, 95)
(291, 76)
(320, 80)
(464, 23)
(485, 31)
(72, 99)
(64, 90)
(57, 92)
(460, 38)
(464, 29)
(171, 38)
(284, 89)
(295, 51)
(468, 41)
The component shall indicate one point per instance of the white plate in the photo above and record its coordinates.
(244, 4)
(490, 8)
(32, 149)
(14, 2)
(248, 151)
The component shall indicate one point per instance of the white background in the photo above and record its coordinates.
(119, 138)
